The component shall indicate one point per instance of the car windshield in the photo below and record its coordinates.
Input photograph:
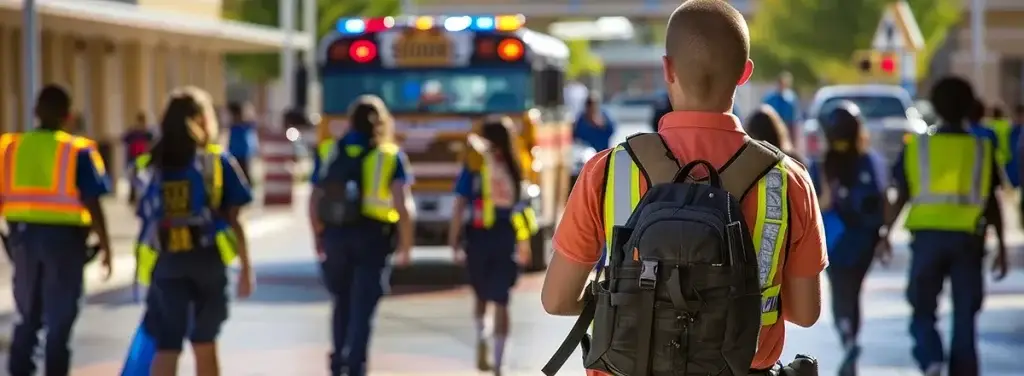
(646, 100)
(871, 107)
(444, 91)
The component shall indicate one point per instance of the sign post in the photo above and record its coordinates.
(898, 33)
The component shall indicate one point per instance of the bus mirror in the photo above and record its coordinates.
(548, 87)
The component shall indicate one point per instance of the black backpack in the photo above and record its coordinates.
(681, 294)
(342, 201)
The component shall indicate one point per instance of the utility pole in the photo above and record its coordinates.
(309, 20)
(287, 23)
(30, 60)
(978, 51)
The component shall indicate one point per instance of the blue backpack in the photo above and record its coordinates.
(856, 208)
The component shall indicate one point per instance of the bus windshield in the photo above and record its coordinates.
(444, 91)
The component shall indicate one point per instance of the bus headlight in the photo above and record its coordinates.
(533, 190)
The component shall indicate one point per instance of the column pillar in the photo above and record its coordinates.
(75, 77)
(14, 48)
(96, 51)
(49, 56)
(183, 72)
(160, 76)
(198, 65)
(137, 65)
(213, 73)
(6, 74)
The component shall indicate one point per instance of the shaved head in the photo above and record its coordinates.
(707, 47)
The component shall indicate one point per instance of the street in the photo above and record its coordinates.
(426, 330)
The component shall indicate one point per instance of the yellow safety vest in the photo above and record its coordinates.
(949, 177)
(39, 169)
(622, 194)
(1002, 129)
(227, 242)
(378, 169)
(524, 221)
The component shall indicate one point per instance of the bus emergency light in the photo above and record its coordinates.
(450, 23)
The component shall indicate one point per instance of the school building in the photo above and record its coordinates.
(1003, 81)
(119, 58)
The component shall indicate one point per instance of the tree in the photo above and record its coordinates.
(815, 40)
(263, 67)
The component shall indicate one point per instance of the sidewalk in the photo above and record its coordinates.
(124, 226)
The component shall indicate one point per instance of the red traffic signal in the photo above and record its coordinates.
(887, 64)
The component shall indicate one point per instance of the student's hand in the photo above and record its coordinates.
(524, 255)
(318, 247)
(458, 254)
(403, 257)
(1000, 265)
(883, 251)
(246, 283)
(107, 260)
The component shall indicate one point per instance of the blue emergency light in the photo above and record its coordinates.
(449, 23)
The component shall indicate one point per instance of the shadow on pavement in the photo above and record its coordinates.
(288, 282)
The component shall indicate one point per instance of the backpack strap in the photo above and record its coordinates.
(649, 151)
(748, 166)
(212, 170)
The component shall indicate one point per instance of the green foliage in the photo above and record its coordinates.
(816, 39)
(582, 61)
(263, 67)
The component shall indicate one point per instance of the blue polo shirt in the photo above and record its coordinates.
(235, 193)
(786, 104)
(899, 175)
(593, 135)
(243, 140)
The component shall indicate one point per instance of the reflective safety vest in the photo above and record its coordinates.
(524, 220)
(39, 170)
(1003, 129)
(378, 169)
(146, 248)
(622, 193)
(949, 177)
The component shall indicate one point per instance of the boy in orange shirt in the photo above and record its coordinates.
(707, 56)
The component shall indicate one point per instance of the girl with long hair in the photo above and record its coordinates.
(765, 124)
(366, 175)
(851, 183)
(494, 241)
(186, 210)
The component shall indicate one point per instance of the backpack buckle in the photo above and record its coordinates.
(648, 274)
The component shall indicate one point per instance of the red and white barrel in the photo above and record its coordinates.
(278, 160)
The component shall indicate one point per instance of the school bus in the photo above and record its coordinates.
(440, 76)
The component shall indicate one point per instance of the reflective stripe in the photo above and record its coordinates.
(146, 253)
(770, 236)
(483, 207)
(949, 177)
(623, 178)
(769, 233)
(31, 196)
(925, 195)
(378, 169)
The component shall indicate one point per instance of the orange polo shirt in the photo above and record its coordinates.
(713, 137)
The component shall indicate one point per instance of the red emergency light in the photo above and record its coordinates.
(888, 64)
(362, 51)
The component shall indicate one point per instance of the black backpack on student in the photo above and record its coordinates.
(342, 201)
(681, 294)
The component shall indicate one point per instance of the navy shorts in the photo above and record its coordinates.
(490, 260)
(191, 304)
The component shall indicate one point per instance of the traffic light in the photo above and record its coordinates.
(877, 63)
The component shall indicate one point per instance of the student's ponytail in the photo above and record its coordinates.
(501, 134)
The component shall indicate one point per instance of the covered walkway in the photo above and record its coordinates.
(120, 58)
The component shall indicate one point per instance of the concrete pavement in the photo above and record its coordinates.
(284, 330)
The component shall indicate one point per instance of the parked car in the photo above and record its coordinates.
(632, 108)
(888, 112)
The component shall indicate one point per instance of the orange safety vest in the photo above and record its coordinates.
(38, 183)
